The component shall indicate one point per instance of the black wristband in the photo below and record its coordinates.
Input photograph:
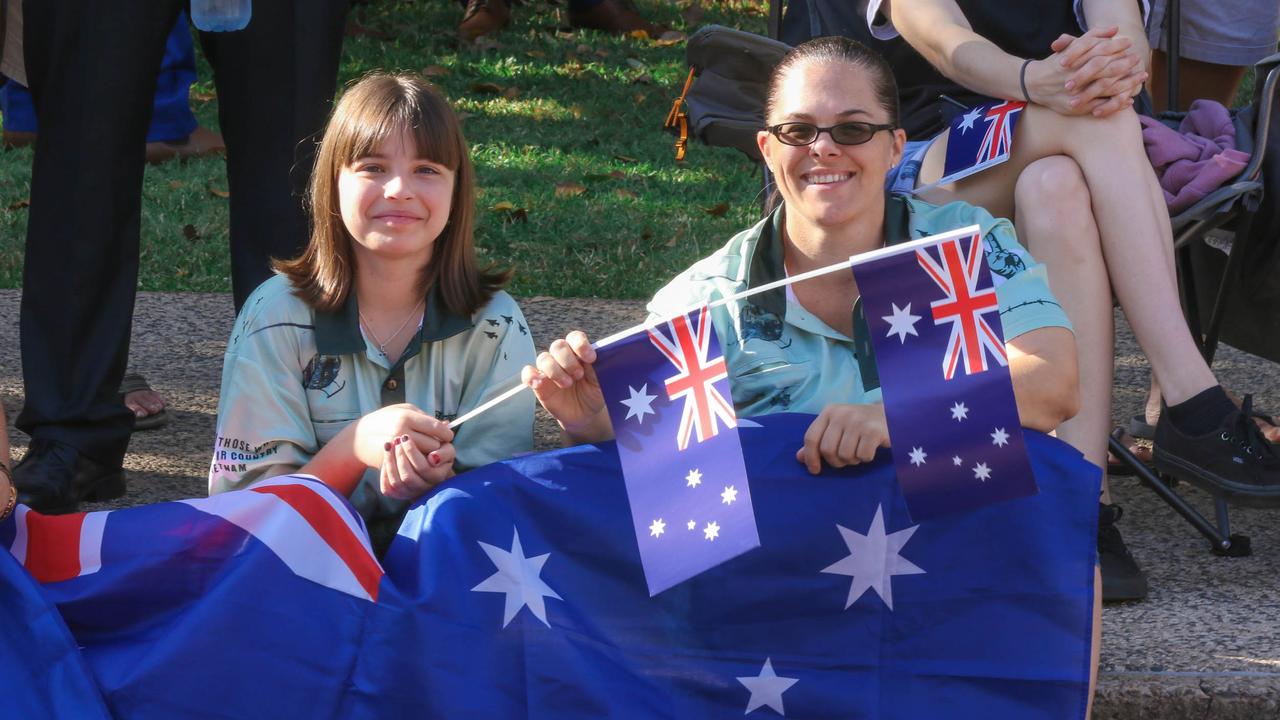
(1022, 79)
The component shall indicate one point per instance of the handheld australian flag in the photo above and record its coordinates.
(934, 321)
(971, 147)
(667, 391)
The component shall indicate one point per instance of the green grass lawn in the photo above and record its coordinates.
(580, 191)
(581, 110)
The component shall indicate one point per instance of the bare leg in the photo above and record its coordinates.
(1196, 79)
(1054, 219)
(1131, 219)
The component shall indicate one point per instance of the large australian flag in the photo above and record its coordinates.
(934, 321)
(667, 392)
(979, 139)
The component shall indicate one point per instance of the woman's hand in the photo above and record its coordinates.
(844, 435)
(408, 472)
(1098, 72)
(565, 382)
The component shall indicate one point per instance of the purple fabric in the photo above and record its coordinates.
(1197, 158)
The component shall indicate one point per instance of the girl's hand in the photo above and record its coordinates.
(844, 435)
(374, 431)
(407, 472)
(565, 382)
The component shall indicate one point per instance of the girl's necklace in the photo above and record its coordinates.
(382, 344)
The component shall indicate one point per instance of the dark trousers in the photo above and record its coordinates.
(92, 67)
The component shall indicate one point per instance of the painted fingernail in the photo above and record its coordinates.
(386, 446)
(434, 458)
(404, 438)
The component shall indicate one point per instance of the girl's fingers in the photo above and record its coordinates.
(443, 457)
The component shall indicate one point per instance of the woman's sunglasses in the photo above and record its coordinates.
(800, 134)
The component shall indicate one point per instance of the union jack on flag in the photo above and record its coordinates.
(999, 137)
(972, 338)
(687, 349)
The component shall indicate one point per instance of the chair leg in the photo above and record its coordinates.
(1221, 541)
(1230, 277)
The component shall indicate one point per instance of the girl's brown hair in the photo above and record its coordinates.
(378, 108)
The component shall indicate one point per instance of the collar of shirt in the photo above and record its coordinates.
(765, 265)
(338, 333)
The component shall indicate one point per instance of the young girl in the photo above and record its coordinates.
(350, 362)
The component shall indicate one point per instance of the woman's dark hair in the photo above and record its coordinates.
(837, 49)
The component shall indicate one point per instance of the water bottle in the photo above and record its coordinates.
(221, 15)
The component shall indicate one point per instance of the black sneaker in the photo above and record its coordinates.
(1122, 579)
(1234, 462)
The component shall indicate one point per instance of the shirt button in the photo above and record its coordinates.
(392, 384)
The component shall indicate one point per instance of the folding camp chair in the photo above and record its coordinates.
(1210, 282)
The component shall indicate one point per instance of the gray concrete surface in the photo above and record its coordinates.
(1206, 644)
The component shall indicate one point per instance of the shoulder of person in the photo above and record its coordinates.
(274, 304)
(501, 303)
(721, 273)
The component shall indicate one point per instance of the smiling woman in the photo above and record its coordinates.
(349, 364)
(832, 111)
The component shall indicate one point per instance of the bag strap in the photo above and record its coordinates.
(678, 118)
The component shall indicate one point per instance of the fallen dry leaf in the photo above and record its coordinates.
(602, 53)
(718, 211)
(624, 158)
(175, 184)
(535, 54)
(486, 88)
(511, 93)
(639, 34)
(435, 71)
(190, 232)
(675, 237)
(503, 206)
(202, 96)
(668, 42)
(19, 204)
(219, 192)
(635, 64)
(576, 111)
(617, 175)
(624, 194)
(569, 189)
(640, 98)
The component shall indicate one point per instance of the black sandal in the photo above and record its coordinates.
(135, 382)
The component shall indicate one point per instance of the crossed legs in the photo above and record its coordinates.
(1091, 192)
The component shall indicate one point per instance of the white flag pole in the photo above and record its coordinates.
(843, 264)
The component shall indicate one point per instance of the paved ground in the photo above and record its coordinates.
(1205, 645)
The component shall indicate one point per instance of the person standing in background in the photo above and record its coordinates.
(91, 67)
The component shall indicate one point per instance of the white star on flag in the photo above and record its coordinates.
(966, 123)
(694, 478)
(517, 576)
(692, 524)
(766, 689)
(901, 323)
(959, 412)
(874, 559)
(657, 527)
(729, 495)
(955, 460)
(917, 456)
(1000, 437)
(639, 404)
(981, 472)
(711, 531)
